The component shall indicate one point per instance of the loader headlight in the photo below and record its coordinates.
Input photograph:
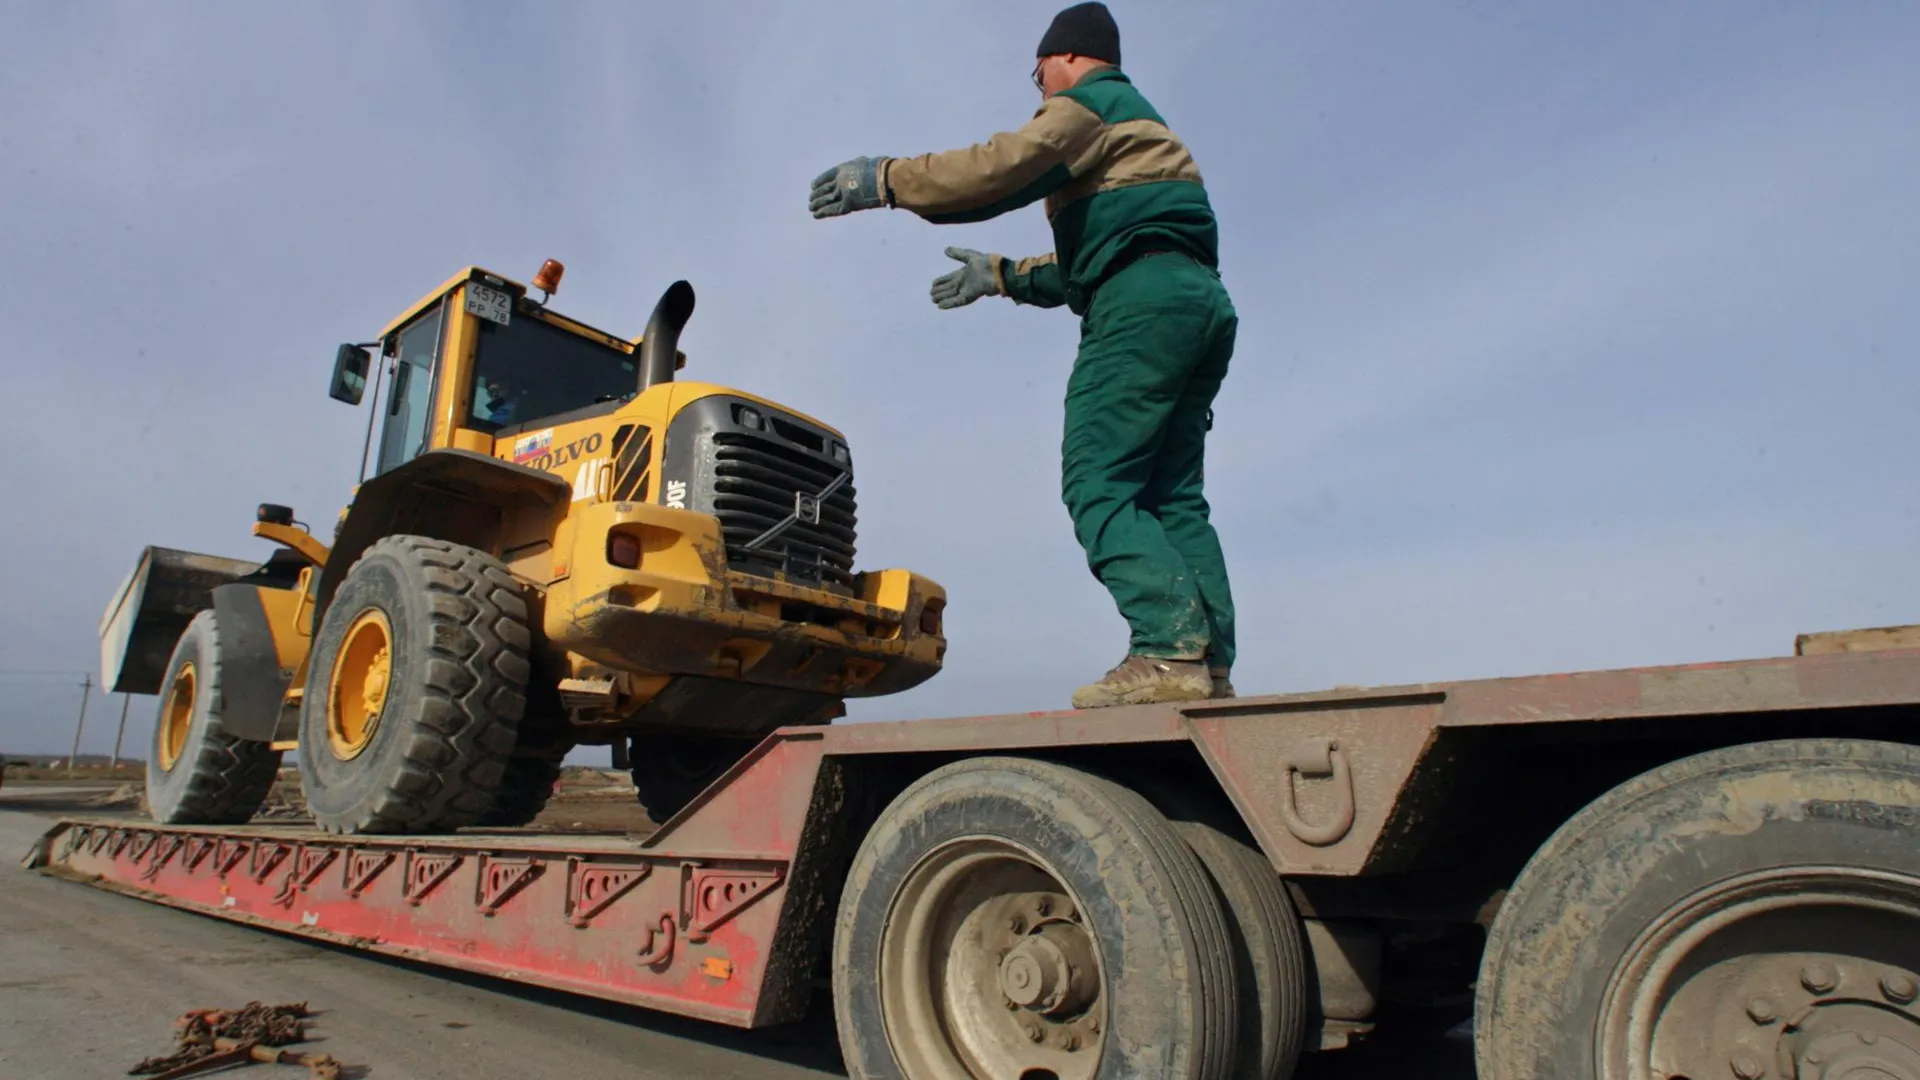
(623, 550)
(750, 418)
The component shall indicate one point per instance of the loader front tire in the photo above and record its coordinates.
(415, 690)
(197, 774)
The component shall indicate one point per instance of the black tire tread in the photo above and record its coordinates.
(474, 680)
(525, 787)
(1273, 961)
(229, 777)
(1215, 978)
(663, 791)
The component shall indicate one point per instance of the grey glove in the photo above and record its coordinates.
(848, 186)
(967, 284)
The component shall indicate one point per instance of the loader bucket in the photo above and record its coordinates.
(165, 591)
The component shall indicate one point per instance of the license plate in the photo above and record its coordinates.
(490, 304)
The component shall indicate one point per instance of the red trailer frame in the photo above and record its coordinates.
(723, 912)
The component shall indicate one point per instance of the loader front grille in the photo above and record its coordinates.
(754, 467)
(760, 481)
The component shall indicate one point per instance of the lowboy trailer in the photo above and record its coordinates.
(1693, 871)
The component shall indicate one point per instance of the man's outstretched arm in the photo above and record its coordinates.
(973, 183)
(1037, 281)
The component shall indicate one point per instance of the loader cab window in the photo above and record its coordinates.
(530, 370)
(410, 394)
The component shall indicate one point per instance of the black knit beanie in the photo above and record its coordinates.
(1084, 30)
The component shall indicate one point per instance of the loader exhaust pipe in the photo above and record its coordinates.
(659, 346)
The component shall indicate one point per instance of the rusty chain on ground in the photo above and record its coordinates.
(209, 1039)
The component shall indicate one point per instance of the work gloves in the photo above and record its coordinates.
(975, 279)
(848, 186)
(855, 185)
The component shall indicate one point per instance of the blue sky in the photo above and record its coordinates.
(1571, 335)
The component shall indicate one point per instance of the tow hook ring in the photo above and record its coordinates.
(1319, 759)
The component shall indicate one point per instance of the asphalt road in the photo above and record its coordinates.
(90, 983)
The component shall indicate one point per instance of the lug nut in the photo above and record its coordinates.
(1069, 1042)
(1748, 1067)
(1093, 1024)
(1900, 989)
(1762, 1011)
(1034, 1033)
(1819, 978)
(1017, 924)
(1045, 906)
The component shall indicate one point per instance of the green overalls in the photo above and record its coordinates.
(1136, 251)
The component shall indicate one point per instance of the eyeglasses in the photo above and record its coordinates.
(1038, 82)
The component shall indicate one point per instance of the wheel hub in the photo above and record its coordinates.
(1855, 1041)
(176, 716)
(992, 967)
(1785, 975)
(1051, 972)
(358, 684)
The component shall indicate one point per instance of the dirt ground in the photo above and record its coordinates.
(83, 773)
(587, 800)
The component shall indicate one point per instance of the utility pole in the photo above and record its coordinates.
(122, 733)
(86, 687)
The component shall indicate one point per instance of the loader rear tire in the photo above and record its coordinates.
(525, 788)
(197, 774)
(669, 769)
(415, 690)
(1007, 917)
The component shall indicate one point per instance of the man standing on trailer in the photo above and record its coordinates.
(1136, 256)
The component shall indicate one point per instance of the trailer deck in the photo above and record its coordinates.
(1416, 803)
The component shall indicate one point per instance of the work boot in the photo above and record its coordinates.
(1145, 680)
(1222, 685)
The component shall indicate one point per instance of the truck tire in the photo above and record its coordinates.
(1269, 951)
(1752, 912)
(1268, 938)
(1007, 917)
(415, 690)
(525, 787)
(197, 774)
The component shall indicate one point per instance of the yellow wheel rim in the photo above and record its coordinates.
(357, 692)
(176, 716)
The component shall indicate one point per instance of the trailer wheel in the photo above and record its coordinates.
(197, 774)
(525, 786)
(1269, 950)
(1750, 912)
(415, 690)
(1011, 919)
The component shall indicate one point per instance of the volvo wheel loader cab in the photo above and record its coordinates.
(555, 542)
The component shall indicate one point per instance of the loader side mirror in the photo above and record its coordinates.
(350, 366)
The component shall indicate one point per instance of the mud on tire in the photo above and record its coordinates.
(446, 720)
(197, 774)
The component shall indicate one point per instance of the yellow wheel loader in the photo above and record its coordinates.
(554, 543)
